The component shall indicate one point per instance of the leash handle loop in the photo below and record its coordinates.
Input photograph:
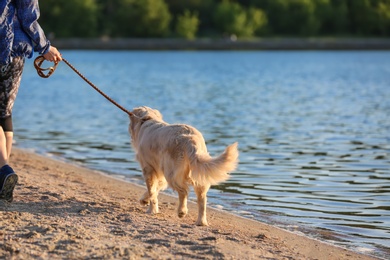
(38, 63)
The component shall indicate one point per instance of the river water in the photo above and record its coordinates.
(313, 129)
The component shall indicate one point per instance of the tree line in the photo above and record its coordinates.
(191, 19)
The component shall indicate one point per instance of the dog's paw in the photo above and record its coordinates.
(182, 213)
(152, 211)
(144, 202)
(201, 222)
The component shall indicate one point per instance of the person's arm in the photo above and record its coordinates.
(28, 14)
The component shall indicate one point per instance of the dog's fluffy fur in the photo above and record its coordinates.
(176, 155)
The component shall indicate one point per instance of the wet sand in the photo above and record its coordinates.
(63, 211)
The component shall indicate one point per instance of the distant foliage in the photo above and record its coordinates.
(383, 12)
(293, 17)
(215, 18)
(187, 25)
(233, 19)
(152, 18)
(137, 18)
(325, 17)
(70, 18)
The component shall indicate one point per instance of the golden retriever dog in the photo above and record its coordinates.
(176, 155)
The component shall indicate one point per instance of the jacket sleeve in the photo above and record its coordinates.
(6, 33)
(28, 14)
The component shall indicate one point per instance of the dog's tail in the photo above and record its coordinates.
(212, 170)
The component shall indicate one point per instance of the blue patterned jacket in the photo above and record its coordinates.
(20, 33)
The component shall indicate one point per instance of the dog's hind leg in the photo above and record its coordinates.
(152, 184)
(178, 182)
(152, 188)
(201, 194)
(145, 199)
(183, 195)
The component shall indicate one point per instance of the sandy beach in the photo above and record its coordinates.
(63, 211)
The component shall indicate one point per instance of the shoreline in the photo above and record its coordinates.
(223, 44)
(65, 211)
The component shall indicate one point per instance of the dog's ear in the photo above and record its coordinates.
(145, 118)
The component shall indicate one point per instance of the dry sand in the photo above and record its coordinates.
(62, 211)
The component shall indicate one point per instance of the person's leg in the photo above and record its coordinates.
(10, 78)
(9, 137)
(3, 148)
(9, 85)
(8, 178)
(6, 137)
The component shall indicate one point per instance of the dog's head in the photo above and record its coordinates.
(147, 113)
(139, 117)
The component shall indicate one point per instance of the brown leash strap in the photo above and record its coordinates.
(38, 63)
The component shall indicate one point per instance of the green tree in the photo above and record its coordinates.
(69, 18)
(383, 11)
(257, 21)
(332, 16)
(153, 18)
(302, 17)
(232, 18)
(140, 18)
(290, 17)
(338, 17)
(204, 9)
(245, 18)
(362, 17)
(187, 25)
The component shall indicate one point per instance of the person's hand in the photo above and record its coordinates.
(53, 55)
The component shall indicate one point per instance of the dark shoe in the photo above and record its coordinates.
(8, 180)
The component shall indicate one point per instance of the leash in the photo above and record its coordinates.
(38, 63)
